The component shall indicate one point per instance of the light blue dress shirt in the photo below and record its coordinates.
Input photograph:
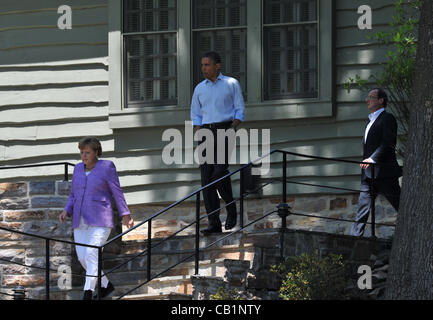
(218, 101)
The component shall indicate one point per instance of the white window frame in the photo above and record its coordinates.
(256, 108)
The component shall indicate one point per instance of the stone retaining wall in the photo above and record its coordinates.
(342, 206)
(254, 279)
(32, 207)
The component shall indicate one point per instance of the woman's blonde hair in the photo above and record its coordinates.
(93, 143)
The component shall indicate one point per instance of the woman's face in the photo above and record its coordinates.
(88, 156)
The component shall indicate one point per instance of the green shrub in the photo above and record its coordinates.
(221, 294)
(307, 277)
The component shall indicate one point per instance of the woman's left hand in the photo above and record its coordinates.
(128, 221)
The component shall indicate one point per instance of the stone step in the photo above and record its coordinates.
(177, 280)
(181, 243)
(232, 270)
(163, 285)
(265, 237)
(169, 296)
(207, 267)
(166, 259)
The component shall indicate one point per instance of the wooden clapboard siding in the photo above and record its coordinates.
(29, 32)
(82, 16)
(47, 37)
(151, 160)
(66, 94)
(344, 72)
(348, 15)
(53, 84)
(33, 115)
(42, 133)
(45, 77)
(361, 56)
(350, 111)
(54, 90)
(89, 63)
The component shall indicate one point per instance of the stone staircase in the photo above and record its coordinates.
(172, 284)
(240, 263)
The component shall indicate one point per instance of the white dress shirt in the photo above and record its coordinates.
(372, 116)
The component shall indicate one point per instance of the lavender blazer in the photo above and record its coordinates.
(91, 195)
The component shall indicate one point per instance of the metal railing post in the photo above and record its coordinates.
(284, 178)
(47, 269)
(66, 172)
(283, 212)
(373, 204)
(149, 247)
(241, 200)
(197, 233)
(99, 272)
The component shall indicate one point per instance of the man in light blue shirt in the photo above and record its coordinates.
(218, 100)
(217, 103)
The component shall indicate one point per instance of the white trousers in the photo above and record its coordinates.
(88, 257)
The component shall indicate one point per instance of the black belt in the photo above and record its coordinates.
(217, 125)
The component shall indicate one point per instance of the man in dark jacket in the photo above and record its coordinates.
(380, 138)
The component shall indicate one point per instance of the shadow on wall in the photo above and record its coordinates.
(29, 31)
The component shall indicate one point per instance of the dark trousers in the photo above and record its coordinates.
(388, 187)
(211, 172)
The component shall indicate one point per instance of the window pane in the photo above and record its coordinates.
(151, 69)
(231, 45)
(219, 13)
(149, 15)
(283, 11)
(291, 62)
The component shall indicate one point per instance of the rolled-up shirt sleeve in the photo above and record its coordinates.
(196, 115)
(239, 104)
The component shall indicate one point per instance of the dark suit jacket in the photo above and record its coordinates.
(380, 146)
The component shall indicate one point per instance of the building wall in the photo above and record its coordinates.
(54, 90)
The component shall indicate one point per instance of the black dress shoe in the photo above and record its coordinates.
(231, 221)
(87, 295)
(105, 292)
(211, 230)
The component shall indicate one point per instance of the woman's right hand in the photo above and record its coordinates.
(63, 216)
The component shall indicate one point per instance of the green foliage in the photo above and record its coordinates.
(221, 294)
(307, 277)
(399, 69)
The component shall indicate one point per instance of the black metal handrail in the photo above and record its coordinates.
(282, 212)
(197, 193)
(66, 164)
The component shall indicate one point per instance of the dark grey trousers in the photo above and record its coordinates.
(388, 187)
(210, 173)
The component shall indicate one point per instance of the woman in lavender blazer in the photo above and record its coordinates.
(94, 184)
